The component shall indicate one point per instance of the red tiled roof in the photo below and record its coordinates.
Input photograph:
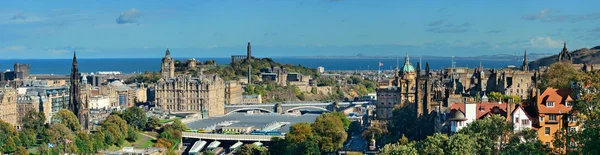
(559, 97)
(483, 108)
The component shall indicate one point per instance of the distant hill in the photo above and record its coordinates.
(580, 56)
(497, 57)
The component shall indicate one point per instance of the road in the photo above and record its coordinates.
(356, 143)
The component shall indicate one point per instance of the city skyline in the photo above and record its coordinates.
(132, 29)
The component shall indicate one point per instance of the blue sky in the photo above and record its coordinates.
(219, 28)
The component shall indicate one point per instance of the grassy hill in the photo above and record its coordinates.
(239, 69)
(580, 56)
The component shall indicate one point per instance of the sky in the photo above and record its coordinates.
(220, 28)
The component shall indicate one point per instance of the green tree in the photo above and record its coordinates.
(524, 143)
(67, 118)
(8, 134)
(279, 146)
(559, 75)
(330, 132)
(27, 137)
(343, 118)
(84, 143)
(34, 120)
(98, 141)
(178, 125)
(135, 117)
(309, 147)
(397, 149)
(403, 140)
(460, 144)
(132, 135)
(404, 121)
(433, 145)
(245, 150)
(117, 127)
(58, 134)
(489, 133)
(153, 123)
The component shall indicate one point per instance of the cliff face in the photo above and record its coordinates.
(580, 56)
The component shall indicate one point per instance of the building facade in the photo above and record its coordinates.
(252, 99)
(233, 92)
(184, 93)
(553, 105)
(8, 106)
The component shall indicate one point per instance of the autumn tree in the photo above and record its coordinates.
(8, 137)
(299, 132)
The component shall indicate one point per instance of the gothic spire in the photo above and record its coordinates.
(168, 53)
(427, 68)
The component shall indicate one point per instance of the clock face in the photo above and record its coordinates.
(166, 65)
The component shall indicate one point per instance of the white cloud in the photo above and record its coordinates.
(544, 42)
(128, 16)
(15, 48)
(57, 51)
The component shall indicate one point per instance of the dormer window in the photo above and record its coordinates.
(549, 104)
(568, 104)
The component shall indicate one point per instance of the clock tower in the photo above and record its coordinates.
(167, 70)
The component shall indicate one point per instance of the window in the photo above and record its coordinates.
(547, 131)
(517, 120)
(553, 117)
(572, 118)
(568, 104)
(572, 129)
(549, 104)
(547, 143)
(525, 122)
(541, 118)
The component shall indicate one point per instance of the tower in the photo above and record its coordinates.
(76, 105)
(249, 52)
(167, 70)
(525, 63)
(564, 55)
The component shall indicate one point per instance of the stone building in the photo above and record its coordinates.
(31, 102)
(233, 92)
(21, 71)
(274, 74)
(167, 66)
(479, 81)
(564, 55)
(184, 93)
(8, 106)
(409, 87)
(252, 99)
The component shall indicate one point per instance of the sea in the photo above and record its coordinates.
(137, 65)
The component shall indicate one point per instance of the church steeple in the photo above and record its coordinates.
(525, 62)
(564, 55)
(168, 53)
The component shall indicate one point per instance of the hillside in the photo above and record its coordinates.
(239, 69)
(580, 56)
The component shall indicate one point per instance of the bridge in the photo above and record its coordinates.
(224, 137)
(290, 107)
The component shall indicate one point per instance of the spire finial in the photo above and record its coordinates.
(406, 59)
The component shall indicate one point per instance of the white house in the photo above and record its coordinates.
(521, 119)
